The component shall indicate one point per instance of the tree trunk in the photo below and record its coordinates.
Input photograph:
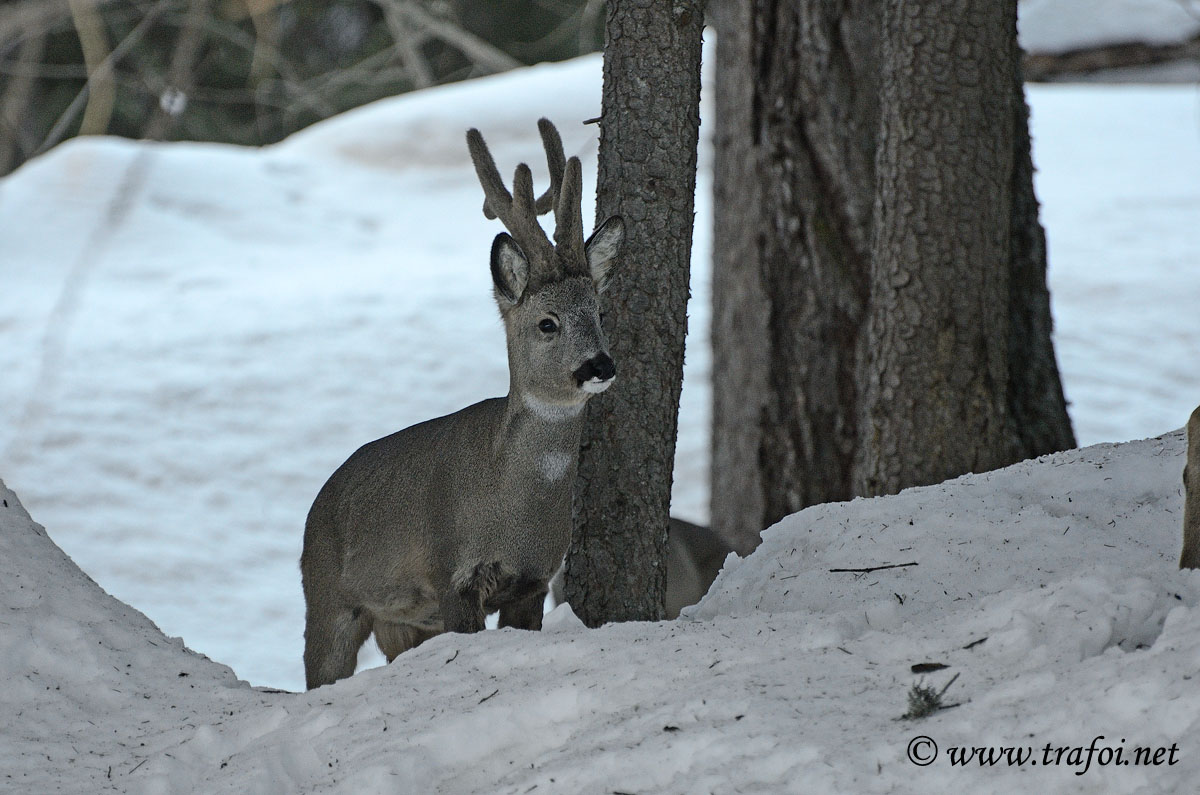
(797, 125)
(648, 137)
(1035, 393)
(737, 494)
(936, 365)
(794, 180)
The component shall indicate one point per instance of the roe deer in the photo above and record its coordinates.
(429, 529)
(695, 555)
(1190, 559)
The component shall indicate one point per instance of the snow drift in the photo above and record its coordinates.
(1048, 587)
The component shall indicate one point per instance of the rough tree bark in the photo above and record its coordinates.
(794, 181)
(936, 366)
(797, 125)
(648, 137)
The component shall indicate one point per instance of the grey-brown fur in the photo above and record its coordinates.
(1190, 558)
(695, 555)
(431, 528)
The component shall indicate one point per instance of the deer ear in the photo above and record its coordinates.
(602, 248)
(510, 270)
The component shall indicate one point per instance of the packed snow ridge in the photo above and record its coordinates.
(1049, 588)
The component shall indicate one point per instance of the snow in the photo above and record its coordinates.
(1119, 181)
(195, 336)
(1049, 588)
(1051, 26)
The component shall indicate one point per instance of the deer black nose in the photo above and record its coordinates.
(600, 368)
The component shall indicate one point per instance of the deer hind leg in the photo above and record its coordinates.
(332, 638)
(463, 601)
(462, 610)
(525, 612)
(394, 638)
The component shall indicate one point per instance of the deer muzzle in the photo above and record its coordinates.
(596, 374)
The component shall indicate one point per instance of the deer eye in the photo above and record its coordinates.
(547, 326)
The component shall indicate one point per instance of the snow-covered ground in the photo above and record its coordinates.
(195, 336)
(1051, 26)
(1048, 588)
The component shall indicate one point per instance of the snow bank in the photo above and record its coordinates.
(1051, 26)
(91, 686)
(1049, 587)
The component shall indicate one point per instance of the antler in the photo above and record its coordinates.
(552, 143)
(518, 211)
(568, 218)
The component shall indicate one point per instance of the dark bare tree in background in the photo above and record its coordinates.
(794, 186)
(794, 285)
(648, 139)
(250, 71)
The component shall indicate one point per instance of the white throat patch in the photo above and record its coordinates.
(553, 412)
(553, 465)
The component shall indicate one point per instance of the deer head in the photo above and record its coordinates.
(548, 292)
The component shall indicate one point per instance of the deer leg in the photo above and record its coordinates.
(332, 638)
(462, 610)
(394, 638)
(525, 612)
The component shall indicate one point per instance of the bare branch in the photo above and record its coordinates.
(180, 74)
(408, 43)
(869, 569)
(14, 104)
(104, 69)
(36, 16)
(93, 41)
(470, 45)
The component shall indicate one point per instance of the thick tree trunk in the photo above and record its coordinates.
(648, 138)
(794, 180)
(797, 125)
(935, 402)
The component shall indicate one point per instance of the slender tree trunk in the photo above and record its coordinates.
(794, 180)
(936, 366)
(1036, 402)
(648, 137)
